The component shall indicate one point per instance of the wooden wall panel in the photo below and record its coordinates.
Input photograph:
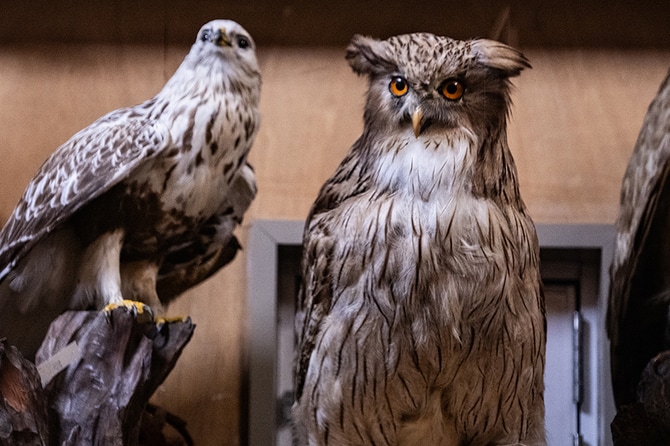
(575, 120)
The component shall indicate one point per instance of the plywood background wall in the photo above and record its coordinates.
(575, 120)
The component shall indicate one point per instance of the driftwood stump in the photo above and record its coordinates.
(102, 395)
(23, 408)
(647, 421)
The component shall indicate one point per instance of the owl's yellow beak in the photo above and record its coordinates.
(417, 121)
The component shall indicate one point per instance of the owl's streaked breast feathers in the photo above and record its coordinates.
(421, 316)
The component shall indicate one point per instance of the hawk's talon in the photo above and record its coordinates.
(140, 310)
(164, 320)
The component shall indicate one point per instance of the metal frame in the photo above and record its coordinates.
(264, 240)
(600, 237)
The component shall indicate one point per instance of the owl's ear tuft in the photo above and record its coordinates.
(368, 55)
(499, 56)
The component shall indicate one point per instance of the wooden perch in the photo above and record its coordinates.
(23, 409)
(647, 421)
(100, 398)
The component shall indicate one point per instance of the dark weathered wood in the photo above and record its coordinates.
(23, 410)
(647, 421)
(100, 399)
(161, 428)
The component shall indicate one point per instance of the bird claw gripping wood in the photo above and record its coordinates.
(141, 311)
(164, 320)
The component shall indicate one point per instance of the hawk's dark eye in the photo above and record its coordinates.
(206, 35)
(452, 89)
(398, 86)
(243, 42)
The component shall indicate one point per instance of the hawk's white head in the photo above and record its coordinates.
(223, 48)
(228, 40)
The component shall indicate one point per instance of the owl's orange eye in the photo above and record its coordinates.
(452, 90)
(398, 86)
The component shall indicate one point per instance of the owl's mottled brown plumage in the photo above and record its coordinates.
(638, 317)
(421, 317)
(142, 203)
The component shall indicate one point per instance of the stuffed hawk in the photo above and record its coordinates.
(141, 204)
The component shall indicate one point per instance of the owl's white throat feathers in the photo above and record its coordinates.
(423, 167)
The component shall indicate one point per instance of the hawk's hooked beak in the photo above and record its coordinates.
(221, 38)
(417, 121)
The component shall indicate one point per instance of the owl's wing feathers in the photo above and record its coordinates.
(87, 165)
(314, 299)
(315, 295)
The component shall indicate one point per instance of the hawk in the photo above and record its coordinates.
(141, 204)
(638, 314)
(421, 314)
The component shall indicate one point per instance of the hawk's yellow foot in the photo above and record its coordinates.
(140, 310)
(170, 319)
(164, 320)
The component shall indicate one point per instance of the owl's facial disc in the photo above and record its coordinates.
(430, 104)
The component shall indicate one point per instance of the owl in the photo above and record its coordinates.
(421, 316)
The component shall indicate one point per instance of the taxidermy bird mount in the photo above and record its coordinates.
(142, 203)
(638, 317)
(421, 314)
